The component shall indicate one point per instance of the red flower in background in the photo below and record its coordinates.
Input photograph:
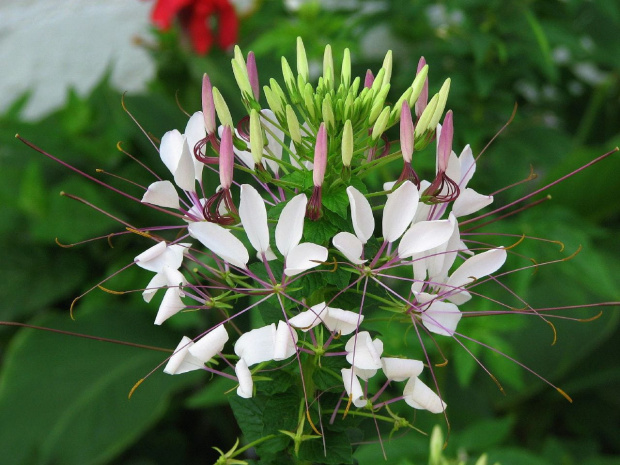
(195, 17)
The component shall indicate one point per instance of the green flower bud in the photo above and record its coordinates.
(395, 115)
(381, 123)
(441, 104)
(302, 61)
(417, 85)
(273, 101)
(256, 137)
(328, 112)
(241, 76)
(328, 68)
(308, 101)
(345, 71)
(347, 143)
(435, 455)
(425, 118)
(387, 65)
(223, 113)
(293, 125)
(289, 79)
(378, 82)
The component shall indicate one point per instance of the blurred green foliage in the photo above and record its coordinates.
(63, 399)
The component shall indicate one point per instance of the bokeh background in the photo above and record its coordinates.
(63, 399)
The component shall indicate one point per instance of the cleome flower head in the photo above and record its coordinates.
(298, 233)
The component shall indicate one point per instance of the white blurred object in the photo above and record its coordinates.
(47, 46)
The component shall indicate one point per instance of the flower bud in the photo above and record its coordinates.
(417, 89)
(208, 107)
(396, 111)
(381, 123)
(223, 113)
(253, 75)
(424, 120)
(441, 104)
(274, 102)
(293, 125)
(328, 67)
(444, 146)
(227, 158)
(345, 71)
(242, 79)
(369, 79)
(256, 137)
(328, 112)
(378, 82)
(406, 132)
(308, 101)
(387, 66)
(347, 143)
(302, 61)
(289, 79)
(422, 98)
(320, 156)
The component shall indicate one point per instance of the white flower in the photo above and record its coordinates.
(210, 344)
(160, 255)
(335, 319)
(419, 396)
(353, 387)
(253, 214)
(267, 343)
(182, 360)
(363, 352)
(400, 369)
(244, 376)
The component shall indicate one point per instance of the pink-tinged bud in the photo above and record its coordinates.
(422, 101)
(208, 107)
(406, 132)
(227, 158)
(444, 147)
(320, 156)
(253, 75)
(369, 79)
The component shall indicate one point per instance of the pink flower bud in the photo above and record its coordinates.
(253, 75)
(444, 147)
(320, 156)
(208, 107)
(369, 79)
(406, 132)
(227, 158)
(420, 104)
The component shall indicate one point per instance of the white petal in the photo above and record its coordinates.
(469, 201)
(361, 214)
(423, 211)
(160, 255)
(353, 387)
(423, 236)
(253, 216)
(244, 376)
(171, 304)
(350, 246)
(221, 242)
(156, 283)
(303, 257)
(418, 395)
(194, 132)
(365, 374)
(399, 369)
(363, 352)
(310, 318)
(477, 267)
(342, 321)
(210, 344)
(441, 318)
(257, 345)
(185, 176)
(163, 194)
(399, 211)
(171, 148)
(387, 186)
(419, 272)
(468, 166)
(285, 342)
(290, 226)
(182, 361)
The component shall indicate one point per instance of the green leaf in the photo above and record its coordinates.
(337, 201)
(337, 445)
(485, 434)
(64, 399)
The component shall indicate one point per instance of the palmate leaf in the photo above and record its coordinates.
(64, 399)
